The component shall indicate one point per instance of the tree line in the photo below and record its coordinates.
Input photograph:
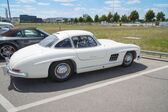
(150, 16)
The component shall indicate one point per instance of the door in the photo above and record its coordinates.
(30, 36)
(89, 52)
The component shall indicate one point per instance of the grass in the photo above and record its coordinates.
(151, 38)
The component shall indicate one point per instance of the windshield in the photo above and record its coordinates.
(48, 41)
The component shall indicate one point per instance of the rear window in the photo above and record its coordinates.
(9, 33)
(48, 41)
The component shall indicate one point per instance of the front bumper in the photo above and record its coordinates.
(8, 71)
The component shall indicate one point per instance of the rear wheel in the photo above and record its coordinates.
(128, 59)
(61, 71)
(7, 50)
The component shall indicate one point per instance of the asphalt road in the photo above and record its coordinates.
(143, 87)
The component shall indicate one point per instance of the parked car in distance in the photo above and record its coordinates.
(5, 26)
(60, 55)
(14, 39)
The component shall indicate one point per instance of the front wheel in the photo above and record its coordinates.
(128, 59)
(61, 71)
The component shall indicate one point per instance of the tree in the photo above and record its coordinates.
(149, 16)
(96, 19)
(124, 19)
(89, 19)
(109, 17)
(160, 16)
(134, 16)
(166, 20)
(81, 19)
(103, 18)
(72, 20)
(76, 20)
(116, 17)
(65, 20)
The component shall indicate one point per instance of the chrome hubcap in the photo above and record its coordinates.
(62, 70)
(7, 51)
(128, 59)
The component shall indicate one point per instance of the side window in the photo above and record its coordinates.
(91, 42)
(83, 42)
(41, 35)
(19, 34)
(66, 43)
(31, 33)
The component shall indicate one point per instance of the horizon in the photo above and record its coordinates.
(74, 8)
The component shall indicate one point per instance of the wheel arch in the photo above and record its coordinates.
(70, 60)
(133, 52)
(10, 43)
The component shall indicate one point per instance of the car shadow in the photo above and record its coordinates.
(45, 85)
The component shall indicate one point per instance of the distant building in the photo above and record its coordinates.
(55, 20)
(39, 20)
(15, 19)
(30, 19)
(2, 19)
(163, 24)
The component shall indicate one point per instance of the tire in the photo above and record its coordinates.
(128, 59)
(7, 50)
(61, 71)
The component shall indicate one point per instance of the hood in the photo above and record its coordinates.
(26, 53)
(110, 43)
(113, 44)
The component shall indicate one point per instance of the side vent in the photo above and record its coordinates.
(113, 57)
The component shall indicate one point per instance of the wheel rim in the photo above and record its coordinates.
(128, 59)
(62, 70)
(7, 50)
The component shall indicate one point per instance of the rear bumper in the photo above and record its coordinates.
(8, 71)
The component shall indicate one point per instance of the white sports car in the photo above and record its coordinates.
(60, 55)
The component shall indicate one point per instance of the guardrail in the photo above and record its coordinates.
(156, 52)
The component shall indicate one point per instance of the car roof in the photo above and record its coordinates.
(12, 31)
(71, 33)
(6, 24)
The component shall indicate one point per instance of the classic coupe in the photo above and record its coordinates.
(64, 53)
(14, 39)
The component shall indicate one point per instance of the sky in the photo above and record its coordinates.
(76, 8)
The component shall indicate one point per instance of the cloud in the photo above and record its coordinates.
(26, 1)
(113, 3)
(43, 3)
(80, 9)
(67, 4)
(64, 1)
(133, 2)
(162, 5)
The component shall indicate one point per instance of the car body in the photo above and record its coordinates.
(5, 26)
(14, 39)
(63, 53)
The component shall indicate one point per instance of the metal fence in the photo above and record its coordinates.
(161, 54)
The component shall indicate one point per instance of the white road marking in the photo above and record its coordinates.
(83, 90)
(2, 66)
(6, 104)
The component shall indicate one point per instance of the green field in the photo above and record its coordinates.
(151, 38)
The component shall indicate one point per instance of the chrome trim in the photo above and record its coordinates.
(112, 62)
(8, 71)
